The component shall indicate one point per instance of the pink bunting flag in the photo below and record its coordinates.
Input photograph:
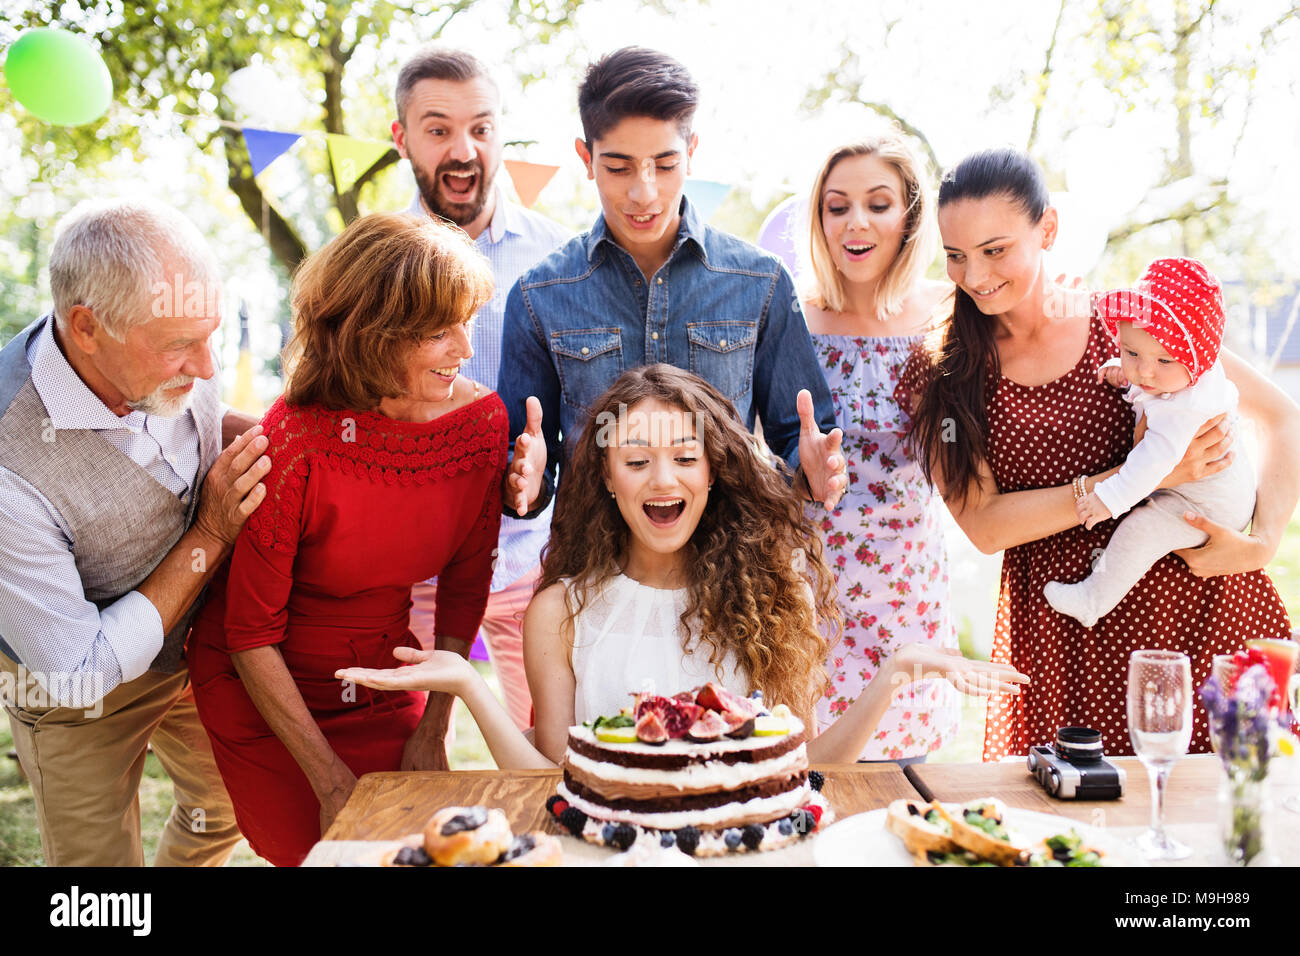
(529, 179)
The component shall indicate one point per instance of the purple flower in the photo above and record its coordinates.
(1240, 721)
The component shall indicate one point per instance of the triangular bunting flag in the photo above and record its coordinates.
(529, 179)
(706, 196)
(352, 157)
(265, 146)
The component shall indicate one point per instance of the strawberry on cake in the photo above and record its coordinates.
(707, 771)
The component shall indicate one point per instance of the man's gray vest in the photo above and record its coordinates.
(123, 522)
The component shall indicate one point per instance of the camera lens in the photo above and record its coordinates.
(1079, 744)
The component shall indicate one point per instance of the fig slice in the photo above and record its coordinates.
(650, 729)
(710, 726)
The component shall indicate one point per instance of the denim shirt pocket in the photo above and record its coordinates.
(589, 360)
(722, 353)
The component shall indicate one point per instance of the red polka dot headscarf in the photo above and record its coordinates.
(1179, 303)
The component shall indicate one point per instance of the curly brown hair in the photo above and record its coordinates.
(752, 561)
(371, 294)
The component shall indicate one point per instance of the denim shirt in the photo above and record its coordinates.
(719, 307)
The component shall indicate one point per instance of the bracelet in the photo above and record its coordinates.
(1080, 487)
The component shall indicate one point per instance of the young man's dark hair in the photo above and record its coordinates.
(434, 63)
(635, 81)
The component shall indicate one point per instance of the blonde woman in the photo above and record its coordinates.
(871, 236)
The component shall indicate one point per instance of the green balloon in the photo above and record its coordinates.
(58, 77)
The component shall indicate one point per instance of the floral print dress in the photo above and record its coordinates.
(885, 544)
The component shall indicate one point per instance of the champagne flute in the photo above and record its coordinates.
(1160, 725)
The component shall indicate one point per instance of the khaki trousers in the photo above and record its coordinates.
(85, 774)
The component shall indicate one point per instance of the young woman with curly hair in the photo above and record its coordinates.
(678, 555)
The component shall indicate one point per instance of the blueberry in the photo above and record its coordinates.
(757, 695)
(420, 858)
(786, 827)
(607, 833)
(405, 856)
(688, 838)
(752, 836)
(803, 821)
(624, 836)
(667, 839)
(732, 839)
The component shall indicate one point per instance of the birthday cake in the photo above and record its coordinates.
(707, 772)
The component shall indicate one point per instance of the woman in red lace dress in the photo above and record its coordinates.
(386, 469)
(1008, 412)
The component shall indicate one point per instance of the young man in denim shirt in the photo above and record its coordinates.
(650, 282)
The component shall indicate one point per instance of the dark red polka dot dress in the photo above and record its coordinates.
(1042, 437)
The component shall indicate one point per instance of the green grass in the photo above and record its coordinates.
(20, 843)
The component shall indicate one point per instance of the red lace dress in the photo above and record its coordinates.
(1041, 437)
(358, 508)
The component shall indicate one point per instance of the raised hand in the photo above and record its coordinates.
(1113, 375)
(820, 458)
(442, 671)
(916, 662)
(232, 489)
(524, 479)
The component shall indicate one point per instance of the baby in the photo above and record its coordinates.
(1169, 330)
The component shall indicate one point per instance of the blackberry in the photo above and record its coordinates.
(785, 827)
(667, 839)
(752, 836)
(732, 839)
(688, 838)
(551, 801)
(573, 820)
(624, 836)
(816, 780)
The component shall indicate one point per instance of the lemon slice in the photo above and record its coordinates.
(781, 712)
(770, 727)
(616, 735)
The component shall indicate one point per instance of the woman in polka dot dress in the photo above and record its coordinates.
(872, 234)
(1015, 414)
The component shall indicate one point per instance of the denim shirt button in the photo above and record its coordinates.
(655, 336)
(585, 350)
(660, 280)
(723, 343)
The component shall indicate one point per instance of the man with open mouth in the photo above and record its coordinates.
(448, 126)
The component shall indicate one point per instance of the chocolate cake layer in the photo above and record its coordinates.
(668, 760)
(688, 801)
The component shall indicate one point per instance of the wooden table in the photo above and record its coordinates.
(387, 806)
(1191, 801)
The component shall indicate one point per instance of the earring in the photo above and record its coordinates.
(614, 496)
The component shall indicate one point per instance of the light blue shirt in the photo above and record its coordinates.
(80, 651)
(515, 240)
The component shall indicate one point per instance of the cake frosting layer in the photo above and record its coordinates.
(685, 801)
(679, 754)
(734, 813)
(615, 780)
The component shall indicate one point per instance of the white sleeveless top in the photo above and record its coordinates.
(629, 639)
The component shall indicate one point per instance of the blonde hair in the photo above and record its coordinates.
(825, 286)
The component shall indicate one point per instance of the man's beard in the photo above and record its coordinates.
(158, 402)
(461, 213)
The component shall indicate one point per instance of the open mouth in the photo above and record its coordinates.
(985, 293)
(858, 250)
(642, 220)
(447, 374)
(664, 513)
(460, 185)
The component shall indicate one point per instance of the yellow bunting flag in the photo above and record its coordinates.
(529, 179)
(351, 158)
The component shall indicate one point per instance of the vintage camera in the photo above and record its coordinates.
(1075, 768)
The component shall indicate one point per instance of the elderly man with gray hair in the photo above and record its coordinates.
(117, 504)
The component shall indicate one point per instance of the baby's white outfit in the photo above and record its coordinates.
(1156, 526)
(628, 638)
